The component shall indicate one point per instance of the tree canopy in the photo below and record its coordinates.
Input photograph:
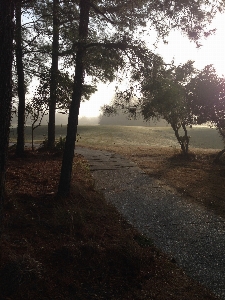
(206, 97)
(206, 100)
(162, 95)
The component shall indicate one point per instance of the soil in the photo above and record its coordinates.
(79, 247)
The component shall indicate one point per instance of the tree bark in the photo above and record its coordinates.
(6, 56)
(67, 163)
(54, 76)
(175, 129)
(21, 89)
(187, 138)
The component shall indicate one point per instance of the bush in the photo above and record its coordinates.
(59, 144)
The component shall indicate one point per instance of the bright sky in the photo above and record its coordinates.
(178, 48)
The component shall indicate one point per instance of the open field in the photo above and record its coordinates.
(157, 152)
(201, 137)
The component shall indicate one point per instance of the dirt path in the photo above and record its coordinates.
(193, 236)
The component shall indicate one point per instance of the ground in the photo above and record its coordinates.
(80, 247)
(196, 177)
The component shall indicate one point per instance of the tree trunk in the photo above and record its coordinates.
(6, 55)
(186, 138)
(21, 89)
(54, 76)
(175, 129)
(67, 163)
(32, 137)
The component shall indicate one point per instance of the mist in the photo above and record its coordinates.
(123, 120)
(119, 119)
(61, 119)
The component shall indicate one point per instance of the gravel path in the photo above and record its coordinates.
(190, 234)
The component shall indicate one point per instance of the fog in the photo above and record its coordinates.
(61, 119)
(121, 119)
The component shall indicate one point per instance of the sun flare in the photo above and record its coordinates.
(211, 51)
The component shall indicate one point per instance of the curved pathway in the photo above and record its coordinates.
(190, 234)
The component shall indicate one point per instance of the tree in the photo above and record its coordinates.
(54, 75)
(206, 96)
(63, 91)
(166, 98)
(55, 19)
(162, 95)
(25, 55)
(67, 163)
(206, 100)
(20, 84)
(36, 110)
(81, 62)
(6, 56)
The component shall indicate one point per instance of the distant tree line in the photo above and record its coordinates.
(122, 119)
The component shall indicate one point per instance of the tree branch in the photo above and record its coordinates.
(97, 10)
(118, 45)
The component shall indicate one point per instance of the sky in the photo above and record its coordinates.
(179, 49)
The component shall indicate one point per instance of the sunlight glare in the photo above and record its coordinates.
(180, 48)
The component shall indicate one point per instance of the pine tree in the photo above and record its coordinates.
(21, 83)
(6, 56)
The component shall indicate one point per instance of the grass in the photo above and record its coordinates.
(201, 137)
(81, 247)
(156, 151)
(103, 136)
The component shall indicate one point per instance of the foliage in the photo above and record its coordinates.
(206, 100)
(58, 146)
(162, 96)
(166, 98)
(114, 23)
(63, 91)
(60, 143)
(206, 97)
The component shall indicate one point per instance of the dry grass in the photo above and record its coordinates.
(157, 152)
(79, 247)
(201, 137)
(196, 177)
